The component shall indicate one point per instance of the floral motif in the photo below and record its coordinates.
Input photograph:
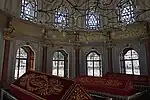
(78, 94)
(41, 85)
(97, 81)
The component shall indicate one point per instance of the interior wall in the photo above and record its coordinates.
(1, 52)
(117, 49)
(101, 50)
(13, 7)
(137, 46)
(71, 62)
(14, 45)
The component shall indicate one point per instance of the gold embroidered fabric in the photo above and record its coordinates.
(41, 85)
(78, 94)
(104, 82)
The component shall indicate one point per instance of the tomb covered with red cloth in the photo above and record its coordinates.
(107, 85)
(40, 86)
(136, 79)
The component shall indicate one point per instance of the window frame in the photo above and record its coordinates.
(90, 13)
(100, 62)
(19, 61)
(63, 14)
(24, 9)
(65, 60)
(123, 5)
(122, 61)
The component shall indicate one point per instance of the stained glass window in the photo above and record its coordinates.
(92, 20)
(21, 63)
(29, 10)
(130, 62)
(61, 17)
(59, 64)
(126, 11)
(94, 64)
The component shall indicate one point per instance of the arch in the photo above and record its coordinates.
(60, 63)
(94, 64)
(29, 44)
(130, 61)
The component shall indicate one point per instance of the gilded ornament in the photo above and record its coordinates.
(9, 32)
(41, 85)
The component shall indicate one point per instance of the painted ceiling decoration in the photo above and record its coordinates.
(99, 21)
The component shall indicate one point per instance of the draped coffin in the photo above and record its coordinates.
(141, 82)
(107, 85)
(40, 86)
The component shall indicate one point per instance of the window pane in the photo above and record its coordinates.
(61, 72)
(21, 63)
(126, 12)
(93, 62)
(128, 55)
(61, 64)
(55, 64)
(61, 16)
(16, 69)
(58, 64)
(96, 64)
(54, 71)
(23, 54)
(55, 56)
(22, 68)
(93, 56)
(92, 20)
(96, 72)
(90, 71)
(134, 54)
(58, 56)
(136, 67)
(131, 62)
(90, 64)
(128, 66)
(28, 10)
(61, 56)
(96, 57)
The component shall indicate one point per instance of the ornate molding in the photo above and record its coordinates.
(9, 32)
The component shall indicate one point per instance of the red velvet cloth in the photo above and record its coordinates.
(20, 95)
(40, 86)
(136, 79)
(106, 85)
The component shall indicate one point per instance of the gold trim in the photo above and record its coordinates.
(27, 92)
(72, 89)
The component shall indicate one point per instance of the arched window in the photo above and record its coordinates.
(94, 64)
(130, 62)
(29, 10)
(126, 11)
(92, 20)
(61, 17)
(21, 63)
(24, 61)
(60, 64)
